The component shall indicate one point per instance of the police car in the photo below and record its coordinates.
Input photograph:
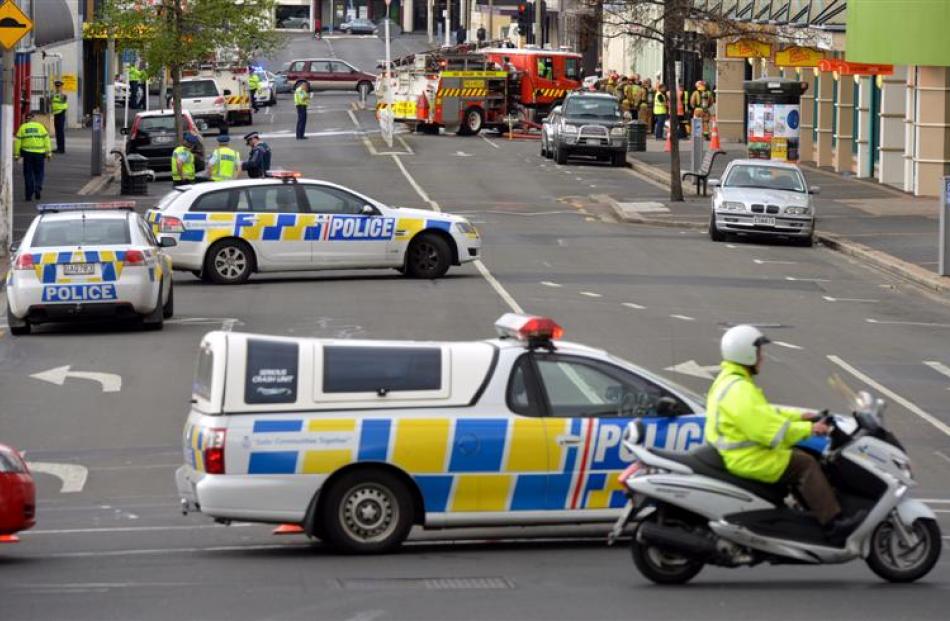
(89, 260)
(357, 441)
(228, 230)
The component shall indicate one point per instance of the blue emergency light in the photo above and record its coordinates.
(61, 207)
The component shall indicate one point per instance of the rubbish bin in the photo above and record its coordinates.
(135, 184)
(637, 136)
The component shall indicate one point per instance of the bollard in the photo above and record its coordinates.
(95, 159)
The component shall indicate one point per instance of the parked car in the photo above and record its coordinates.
(326, 74)
(590, 124)
(358, 26)
(153, 135)
(281, 83)
(17, 494)
(762, 197)
(547, 132)
(205, 100)
(267, 92)
(299, 23)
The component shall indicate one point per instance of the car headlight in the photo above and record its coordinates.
(732, 206)
(617, 131)
(466, 228)
(797, 211)
(571, 129)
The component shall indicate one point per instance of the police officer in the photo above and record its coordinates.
(33, 144)
(224, 161)
(258, 160)
(301, 101)
(134, 76)
(59, 105)
(660, 110)
(756, 439)
(183, 161)
(253, 84)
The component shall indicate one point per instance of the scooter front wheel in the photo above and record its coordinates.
(663, 567)
(897, 560)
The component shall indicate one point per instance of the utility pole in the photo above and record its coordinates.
(6, 155)
(109, 126)
(538, 34)
(448, 23)
(491, 20)
(430, 14)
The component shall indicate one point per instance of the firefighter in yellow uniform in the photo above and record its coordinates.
(701, 101)
(32, 143)
(756, 439)
(59, 105)
(224, 161)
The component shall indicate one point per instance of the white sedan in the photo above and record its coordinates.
(228, 230)
(89, 260)
(762, 197)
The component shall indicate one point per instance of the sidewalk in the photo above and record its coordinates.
(876, 223)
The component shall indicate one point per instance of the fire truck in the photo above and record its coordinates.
(465, 89)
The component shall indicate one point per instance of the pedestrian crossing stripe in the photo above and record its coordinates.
(464, 92)
(238, 99)
(549, 92)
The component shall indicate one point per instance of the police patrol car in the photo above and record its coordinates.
(228, 230)
(356, 441)
(89, 260)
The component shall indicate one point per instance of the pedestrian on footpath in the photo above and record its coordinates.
(253, 85)
(301, 101)
(258, 160)
(183, 161)
(660, 110)
(33, 144)
(59, 105)
(224, 161)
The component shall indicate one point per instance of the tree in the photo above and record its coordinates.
(173, 34)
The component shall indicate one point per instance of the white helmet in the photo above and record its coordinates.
(739, 344)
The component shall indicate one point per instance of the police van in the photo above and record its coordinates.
(356, 441)
(228, 230)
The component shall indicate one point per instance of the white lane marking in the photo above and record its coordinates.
(828, 298)
(731, 246)
(499, 289)
(797, 279)
(462, 154)
(491, 142)
(405, 145)
(787, 345)
(923, 324)
(110, 382)
(73, 476)
(633, 306)
(194, 321)
(591, 294)
(683, 317)
(128, 529)
(939, 367)
(937, 501)
(693, 368)
(946, 459)
(323, 134)
(767, 261)
(909, 405)
(548, 283)
(415, 185)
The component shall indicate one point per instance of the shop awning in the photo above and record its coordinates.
(52, 23)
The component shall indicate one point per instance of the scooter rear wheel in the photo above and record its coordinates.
(663, 567)
(892, 560)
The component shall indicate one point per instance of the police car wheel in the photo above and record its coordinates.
(367, 512)
(229, 262)
(428, 257)
(18, 327)
(168, 310)
(155, 320)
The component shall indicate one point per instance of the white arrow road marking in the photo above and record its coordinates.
(923, 324)
(633, 306)
(796, 279)
(548, 283)
(828, 298)
(462, 154)
(787, 345)
(73, 476)
(110, 381)
(683, 317)
(764, 261)
(591, 294)
(939, 367)
(691, 367)
(913, 407)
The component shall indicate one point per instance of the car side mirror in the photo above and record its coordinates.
(666, 406)
(14, 247)
(368, 210)
(714, 183)
(167, 242)
(124, 131)
(227, 92)
(557, 110)
(814, 190)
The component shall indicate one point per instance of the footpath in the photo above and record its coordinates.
(874, 223)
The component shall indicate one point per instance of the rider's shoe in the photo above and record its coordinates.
(838, 529)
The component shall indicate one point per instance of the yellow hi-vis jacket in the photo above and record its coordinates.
(754, 437)
(32, 137)
(659, 103)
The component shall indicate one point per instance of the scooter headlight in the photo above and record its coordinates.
(904, 467)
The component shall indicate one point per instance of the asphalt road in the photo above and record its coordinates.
(119, 548)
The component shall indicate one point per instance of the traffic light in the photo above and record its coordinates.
(526, 18)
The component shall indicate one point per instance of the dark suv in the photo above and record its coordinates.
(590, 124)
(153, 135)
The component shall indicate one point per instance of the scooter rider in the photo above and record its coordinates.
(756, 439)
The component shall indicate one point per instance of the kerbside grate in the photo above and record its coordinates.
(488, 583)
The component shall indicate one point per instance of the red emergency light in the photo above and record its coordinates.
(531, 329)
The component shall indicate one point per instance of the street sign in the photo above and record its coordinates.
(14, 25)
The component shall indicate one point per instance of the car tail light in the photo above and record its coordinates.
(134, 257)
(213, 454)
(24, 262)
(219, 101)
(171, 224)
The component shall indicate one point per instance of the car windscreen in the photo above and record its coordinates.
(198, 88)
(765, 177)
(592, 108)
(157, 124)
(81, 232)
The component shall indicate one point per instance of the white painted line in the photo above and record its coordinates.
(787, 345)
(129, 529)
(909, 405)
(938, 501)
(111, 382)
(683, 317)
(405, 145)
(828, 298)
(633, 306)
(499, 289)
(694, 369)
(415, 186)
(731, 246)
(491, 142)
(939, 367)
(946, 459)
(591, 294)
(796, 279)
(548, 283)
(767, 261)
(922, 324)
(73, 476)
(353, 118)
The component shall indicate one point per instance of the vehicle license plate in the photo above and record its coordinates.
(162, 139)
(79, 269)
(763, 220)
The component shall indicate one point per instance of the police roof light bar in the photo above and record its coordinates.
(533, 330)
(285, 175)
(61, 207)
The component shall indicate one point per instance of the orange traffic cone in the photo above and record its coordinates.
(288, 529)
(714, 135)
(669, 145)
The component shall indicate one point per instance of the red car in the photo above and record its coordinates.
(17, 495)
(329, 74)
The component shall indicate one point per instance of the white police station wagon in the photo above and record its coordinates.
(228, 230)
(89, 260)
(356, 441)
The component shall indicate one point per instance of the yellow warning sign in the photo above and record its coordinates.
(70, 83)
(14, 25)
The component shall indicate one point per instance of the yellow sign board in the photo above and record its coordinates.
(799, 57)
(14, 25)
(404, 109)
(748, 48)
(70, 83)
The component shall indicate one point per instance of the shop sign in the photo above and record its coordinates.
(843, 67)
(748, 48)
(797, 56)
